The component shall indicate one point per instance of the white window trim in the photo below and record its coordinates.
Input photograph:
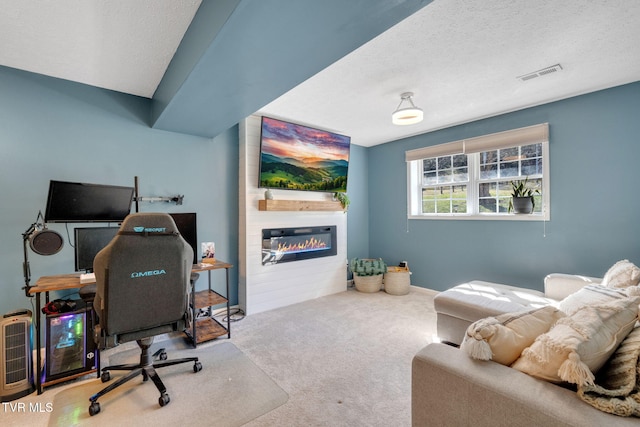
(523, 136)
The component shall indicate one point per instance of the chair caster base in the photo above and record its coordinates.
(94, 408)
(164, 399)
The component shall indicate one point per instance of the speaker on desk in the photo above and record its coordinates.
(16, 366)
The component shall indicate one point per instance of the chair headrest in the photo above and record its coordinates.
(149, 222)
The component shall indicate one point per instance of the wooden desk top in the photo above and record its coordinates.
(57, 283)
(207, 266)
(72, 281)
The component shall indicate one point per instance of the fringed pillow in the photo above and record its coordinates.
(502, 338)
(622, 274)
(590, 295)
(578, 345)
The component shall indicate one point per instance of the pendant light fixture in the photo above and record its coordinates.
(407, 113)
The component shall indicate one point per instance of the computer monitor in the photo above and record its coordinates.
(88, 242)
(186, 223)
(83, 202)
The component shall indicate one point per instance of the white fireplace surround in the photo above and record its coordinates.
(265, 287)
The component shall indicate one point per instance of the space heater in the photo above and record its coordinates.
(16, 365)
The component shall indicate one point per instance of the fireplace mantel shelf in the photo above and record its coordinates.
(299, 205)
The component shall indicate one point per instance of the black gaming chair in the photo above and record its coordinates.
(142, 279)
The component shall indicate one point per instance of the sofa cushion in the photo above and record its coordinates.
(462, 305)
(502, 338)
(590, 295)
(622, 275)
(478, 299)
(578, 345)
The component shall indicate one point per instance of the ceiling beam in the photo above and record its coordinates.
(238, 56)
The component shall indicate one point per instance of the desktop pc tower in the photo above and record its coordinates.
(70, 349)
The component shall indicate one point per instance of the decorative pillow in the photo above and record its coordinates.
(615, 389)
(622, 275)
(620, 371)
(590, 295)
(502, 338)
(578, 345)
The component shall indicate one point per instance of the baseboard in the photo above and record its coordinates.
(351, 284)
(431, 292)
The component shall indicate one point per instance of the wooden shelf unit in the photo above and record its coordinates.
(208, 328)
(299, 205)
(208, 298)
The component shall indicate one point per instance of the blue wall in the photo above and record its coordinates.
(54, 129)
(594, 154)
(358, 219)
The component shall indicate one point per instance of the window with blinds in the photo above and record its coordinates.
(471, 178)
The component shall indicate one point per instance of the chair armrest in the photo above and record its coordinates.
(558, 286)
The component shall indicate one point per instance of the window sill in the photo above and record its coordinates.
(484, 217)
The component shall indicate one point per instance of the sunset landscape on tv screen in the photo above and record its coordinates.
(296, 157)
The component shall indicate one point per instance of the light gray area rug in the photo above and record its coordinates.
(230, 389)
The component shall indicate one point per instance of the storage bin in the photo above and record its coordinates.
(368, 283)
(397, 281)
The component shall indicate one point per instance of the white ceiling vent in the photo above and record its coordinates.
(540, 73)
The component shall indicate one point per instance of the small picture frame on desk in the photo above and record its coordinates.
(208, 253)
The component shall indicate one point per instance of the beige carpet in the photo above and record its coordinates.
(343, 360)
(230, 389)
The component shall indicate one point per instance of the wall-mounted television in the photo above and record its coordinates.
(296, 157)
(82, 202)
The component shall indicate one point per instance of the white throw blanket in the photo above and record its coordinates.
(617, 386)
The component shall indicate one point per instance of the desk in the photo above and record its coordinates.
(46, 284)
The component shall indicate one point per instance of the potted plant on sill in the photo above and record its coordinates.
(522, 201)
(367, 274)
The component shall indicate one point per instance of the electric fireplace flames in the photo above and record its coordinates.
(295, 244)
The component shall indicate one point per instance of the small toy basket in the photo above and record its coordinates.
(397, 280)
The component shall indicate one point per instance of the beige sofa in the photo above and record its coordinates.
(462, 305)
(449, 388)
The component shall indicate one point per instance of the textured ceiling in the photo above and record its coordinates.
(461, 58)
(123, 45)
